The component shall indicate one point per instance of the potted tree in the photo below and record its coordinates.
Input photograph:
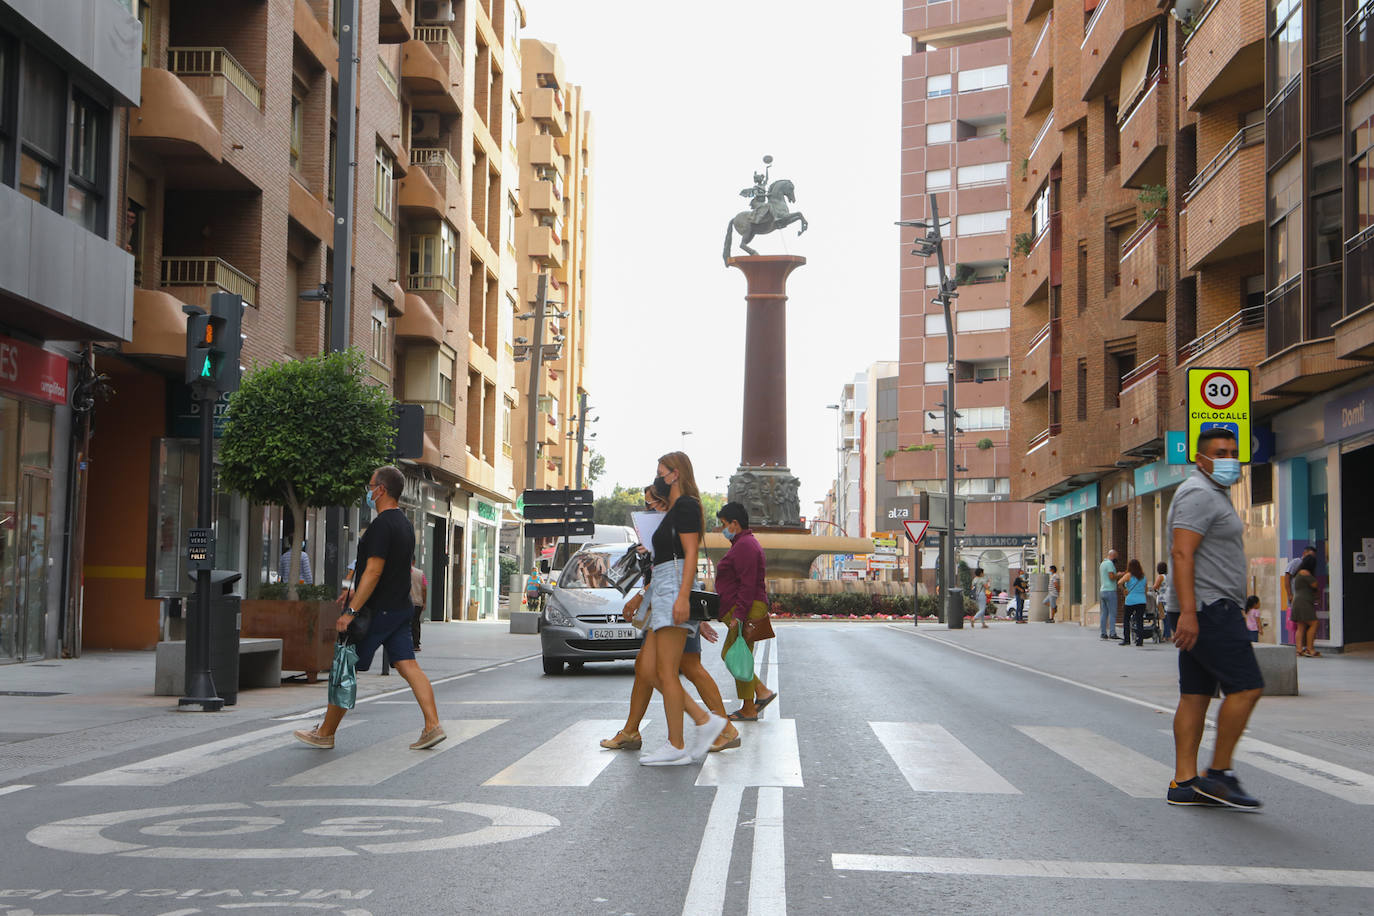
(303, 434)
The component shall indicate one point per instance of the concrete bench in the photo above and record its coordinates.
(259, 665)
(1279, 665)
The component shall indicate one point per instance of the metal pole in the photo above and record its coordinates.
(581, 432)
(532, 398)
(954, 598)
(200, 683)
(340, 302)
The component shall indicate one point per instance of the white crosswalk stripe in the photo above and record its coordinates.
(194, 761)
(933, 760)
(1354, 786)
(374, 765)
(571, 758)
(768, 755)
(1120, 766)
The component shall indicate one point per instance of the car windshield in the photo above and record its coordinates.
(587, 569)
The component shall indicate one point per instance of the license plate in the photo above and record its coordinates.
(614, 633)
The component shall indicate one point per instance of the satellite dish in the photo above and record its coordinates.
(767, 160)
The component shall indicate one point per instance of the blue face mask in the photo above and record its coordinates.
(729, 535)
(371, 500)
(1226, 471)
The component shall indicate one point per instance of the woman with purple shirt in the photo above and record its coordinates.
(740, 584)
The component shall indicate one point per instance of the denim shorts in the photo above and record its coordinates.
(663, 589)
(389, 629)
(1222, 654)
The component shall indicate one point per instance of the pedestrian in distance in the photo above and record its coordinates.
(1133, 582)
(284, 565)
(1252, 617)
(1019, 591)
(1161, 587)
(629, 738)
(1052, 599)
(740, 577)
(676, 545)
(982, 591)
(419, 597)
(382, 572)
(1207, 587)
(1289, 574)
(1304, 609)
(1106, 596)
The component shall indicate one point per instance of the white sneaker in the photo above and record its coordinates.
(666, 756)
(702, 736)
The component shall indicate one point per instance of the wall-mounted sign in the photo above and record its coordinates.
(1080, 500)
(32, 371)
(1349, 416)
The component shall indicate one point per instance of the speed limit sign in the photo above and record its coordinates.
(1219, 398)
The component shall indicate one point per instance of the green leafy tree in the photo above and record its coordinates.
(596, 466)
(711, 503)
(305, 434)
(616, 508)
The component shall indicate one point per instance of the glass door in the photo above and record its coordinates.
(33, 565)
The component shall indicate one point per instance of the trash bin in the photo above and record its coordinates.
(225, 622)
(1039, 590)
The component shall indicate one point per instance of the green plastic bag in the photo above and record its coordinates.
(343, 675)
(739, 661)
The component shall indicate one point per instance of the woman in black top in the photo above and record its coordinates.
(676, 545)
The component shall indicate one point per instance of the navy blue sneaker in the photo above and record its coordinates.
(1224, 787)
(1187, 795)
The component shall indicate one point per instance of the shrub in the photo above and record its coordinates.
(1024, 243)
(984, 444)
(277, 592)
(851, 604)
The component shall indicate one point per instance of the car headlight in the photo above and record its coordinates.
(557, 616)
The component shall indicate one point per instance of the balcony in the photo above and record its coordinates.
(1145, 273)
(210, 71)
(544, 153)
(542, 245)
(433, 85)
(545, 105)
(1045, 150)
(1225, 51)
(1040, 268)
(1299, 322)
(1225, 203)
(1144, 409)
(1036, 366)
(1115, 28)
(195, 279)
(395, 21)
(173, 122)
(1038, 84)
(1145, 137)
(314, 37)
(544, 198)
(419, 198)
(441, 169)
(1355, 332)
(1237, 341)
(1040, 468)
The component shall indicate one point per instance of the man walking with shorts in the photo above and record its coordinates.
(1207, 589)
(382, 579)
(1106, 596)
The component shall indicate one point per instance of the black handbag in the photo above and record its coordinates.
(703, 605)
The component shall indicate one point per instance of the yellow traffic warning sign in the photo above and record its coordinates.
(1219, 398)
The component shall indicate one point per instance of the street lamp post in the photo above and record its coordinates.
(933, 243)
(685, 434)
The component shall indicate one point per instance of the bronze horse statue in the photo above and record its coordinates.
(764, 216)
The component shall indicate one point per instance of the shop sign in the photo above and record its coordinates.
(899, 510)
(997, 540)
(1219, 398)
(1080, 500)
(1157, 476)
(183, 412)
(1350, 416)
(32, 371)
(420, 494)
(1176, 446)
(484, 510)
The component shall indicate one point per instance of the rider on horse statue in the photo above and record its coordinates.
(767, 210)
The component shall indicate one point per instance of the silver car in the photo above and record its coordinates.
(582, 619)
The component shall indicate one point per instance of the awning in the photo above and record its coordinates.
(1136, 70)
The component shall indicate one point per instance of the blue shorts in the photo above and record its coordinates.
(392, 630)
(1223, 654)
(663, 589)
(693, 645)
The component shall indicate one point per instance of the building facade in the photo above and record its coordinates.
(879, 437)
(66, 283)
(955, 144)
(551, 232)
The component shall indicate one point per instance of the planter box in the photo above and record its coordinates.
(305, 628)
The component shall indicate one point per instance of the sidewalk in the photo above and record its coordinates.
(63, 710)
(1332, 716)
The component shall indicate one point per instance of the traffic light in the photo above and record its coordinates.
(214, 342)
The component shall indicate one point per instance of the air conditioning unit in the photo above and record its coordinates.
(436, 11)
(425, 124)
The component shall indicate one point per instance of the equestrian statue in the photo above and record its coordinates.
(767, 210)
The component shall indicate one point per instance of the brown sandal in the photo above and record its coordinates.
(623, 741)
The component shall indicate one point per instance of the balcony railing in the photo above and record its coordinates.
(215, 62)
(1283, 315)
(1040, 337)
(1246, 136)
(1197, 23)
(1135, 238)
(209, 272)
(388, 78)
(1097, 14)
(1359, 47)
(1044, 33)
(427, 157)
(438, 409)
(1141, 373)
(1244, 320)
(1283, 120)
(440, 35)
(1359, 261)
(1041, 134)
(1039, 439)
(431, 283)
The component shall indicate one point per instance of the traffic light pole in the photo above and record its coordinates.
(200, 683)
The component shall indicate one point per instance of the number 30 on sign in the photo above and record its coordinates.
(1219, 397)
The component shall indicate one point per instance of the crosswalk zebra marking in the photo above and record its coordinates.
(1354, 786)
(767, 756)
(933, 760)
(375, 764)
(571, 758)
(1120, 766)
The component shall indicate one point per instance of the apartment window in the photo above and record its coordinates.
(1082, 291)
(933, 277)
(987, 173)
(88, 155)
(937, 179)
(983, 78)
(941, 132)
(938, 86)
(935, 327)
(935, 373)
(136, 220)
(1325, 194)
(1040, 213)
(1120, 363)
(976, 418)
(40, 151)
(507, 408)
(1362, 183)
(297, 131)
(1111, 137)
(1285, 222)
(383, 192)
(988, 223)
(448, 252)
(510, 220)
(434, 257)
(983, 320)
(7, 58)
(333, 152)
(1082, 389)
(448, 368)
(1082, 165)
(1286, 44)
(380, 349)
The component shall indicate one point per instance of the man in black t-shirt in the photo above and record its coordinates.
(382, 587)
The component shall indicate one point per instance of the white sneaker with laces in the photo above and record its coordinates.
(666, 756)
(702, 736)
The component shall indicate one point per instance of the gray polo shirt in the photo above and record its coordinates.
(1219, 566)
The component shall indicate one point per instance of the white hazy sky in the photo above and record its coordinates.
(685, 100)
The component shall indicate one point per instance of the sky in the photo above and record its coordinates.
(686, 99)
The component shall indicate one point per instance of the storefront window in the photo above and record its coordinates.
(482, 575)
(25, 525)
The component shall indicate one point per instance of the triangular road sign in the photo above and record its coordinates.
(915, 530)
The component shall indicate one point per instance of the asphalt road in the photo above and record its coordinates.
(895, 774)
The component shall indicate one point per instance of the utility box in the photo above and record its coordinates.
(1039, 591)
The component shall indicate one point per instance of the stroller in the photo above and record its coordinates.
(1152, 623)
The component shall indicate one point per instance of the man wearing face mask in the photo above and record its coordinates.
(1208, 590)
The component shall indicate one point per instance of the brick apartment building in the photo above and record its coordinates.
(555, 143)
(955, 99)
(1160, 225)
